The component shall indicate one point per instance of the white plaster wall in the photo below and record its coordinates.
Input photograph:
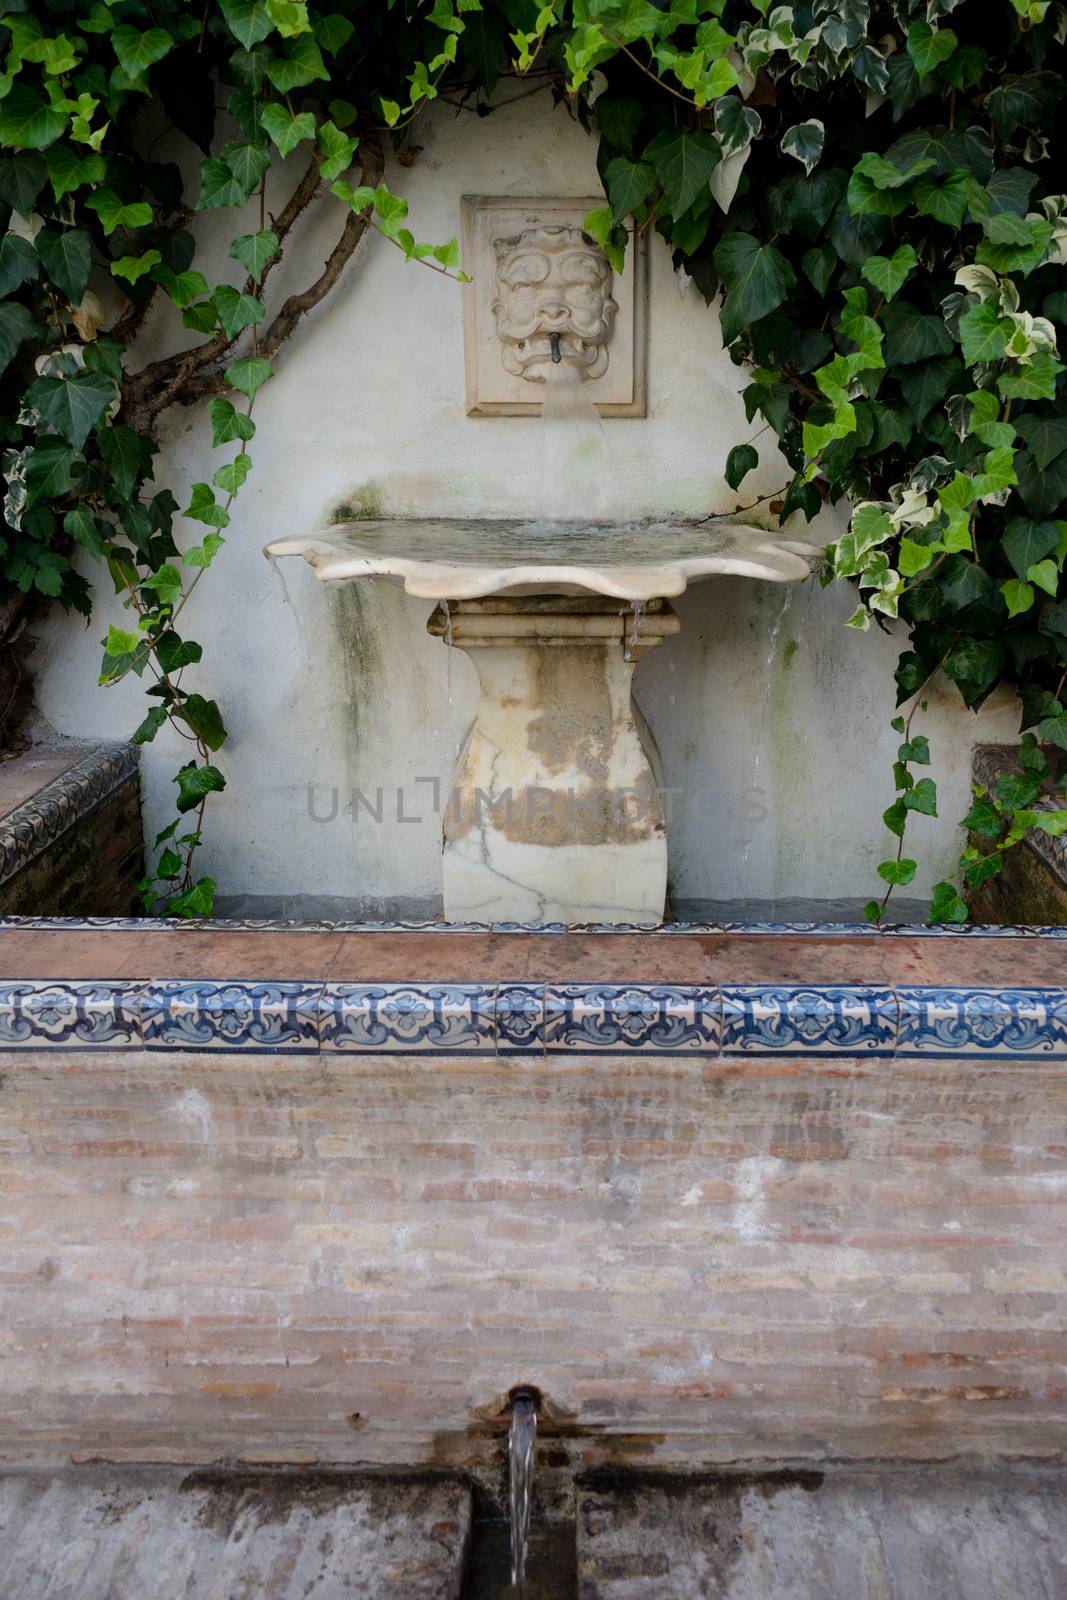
(772, 722)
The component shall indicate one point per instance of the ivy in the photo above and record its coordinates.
(874, 200)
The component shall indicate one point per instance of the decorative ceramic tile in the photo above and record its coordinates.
(663, 1018)
(520, 1017)
(404, 1017)
(45, 815)
(816, 930)
(787, 1021)
(224, 1016)
(1029, 1023)
(45, 1015)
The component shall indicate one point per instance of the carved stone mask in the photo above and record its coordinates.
(553, 281)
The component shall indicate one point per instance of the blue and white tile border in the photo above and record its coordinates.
(533, 1020)
(662, 930)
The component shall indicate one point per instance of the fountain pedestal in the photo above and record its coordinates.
(556, 812)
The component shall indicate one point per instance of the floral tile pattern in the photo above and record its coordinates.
(406, 1017)
(229, 1016)
(783, 1021)
(663, 1018)
(519, 1017)
(1030, 1023)
(45, 1015)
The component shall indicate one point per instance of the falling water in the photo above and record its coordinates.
(287, 597)
(521, 1441)
(575, 467)
(765, 697)
(447, 609)
(635, 628)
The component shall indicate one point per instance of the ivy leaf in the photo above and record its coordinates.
(684, 162)
(898, 872)
(67, 259)
(333, 32)
(147, 730)
(133, 267)
(173, 653)
(182, 287)
(254, 250)
(219, 186)
(236, 311)
(1035, 381)
(202, 507)
(922, 797)
(22, 177)
(390, 210)
(48, 469)
(757, 278)
(203, 316)
(247, 162)
(1045, 435)
(1042, 490)
(984, 333)
(927, 382)
(202, 555)
(248, 376)
(197, 901)
(929, 47)
(303, 65)
(946, 905)
(18, 263)
(127, 456)
(819, 265)
(67, 171)
(285, 130)
(230, 477)
(82, 527)
(945, 199)
(913, 335)
(205, 719)
(889, 273)
(138, 51)
(1018, 596)
(338, 149)
(1046, 575)
(27, 122)
(166, 584)
(618, 120)
(113, 213)
(739, 463)
(196, 783)
(627, 184)
(72, 406)
(121, 642)
(804, 142)
(736, 125)
(227, 422)
(248, 20)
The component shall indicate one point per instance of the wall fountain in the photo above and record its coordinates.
(555, 813)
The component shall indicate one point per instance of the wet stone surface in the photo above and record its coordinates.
(887, 1534)
(128, 1535)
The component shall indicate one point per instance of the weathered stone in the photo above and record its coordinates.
(919, 1534)
(106, 1535)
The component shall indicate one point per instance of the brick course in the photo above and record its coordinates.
(271, 1258)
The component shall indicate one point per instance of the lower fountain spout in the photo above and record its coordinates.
(522, 1438)
(553, 342)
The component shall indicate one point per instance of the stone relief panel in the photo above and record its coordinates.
(543, 292)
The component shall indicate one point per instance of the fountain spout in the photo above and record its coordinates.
(522, 1438)
(553, 341)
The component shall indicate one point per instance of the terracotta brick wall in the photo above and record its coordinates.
(354, 1259)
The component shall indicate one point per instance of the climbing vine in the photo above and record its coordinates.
(871, 194)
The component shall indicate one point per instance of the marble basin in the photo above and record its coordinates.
(555, 813)
(453, 560)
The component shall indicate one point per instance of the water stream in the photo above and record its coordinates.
(767, 684)
(575, 462)
(522, 1438)
(305, 643)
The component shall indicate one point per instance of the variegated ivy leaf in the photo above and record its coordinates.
(804, 142)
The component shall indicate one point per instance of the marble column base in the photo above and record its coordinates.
(555, 813)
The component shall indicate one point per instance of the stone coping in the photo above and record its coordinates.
(395, 991)
(42, 817)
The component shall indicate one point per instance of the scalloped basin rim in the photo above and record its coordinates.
(453, 559)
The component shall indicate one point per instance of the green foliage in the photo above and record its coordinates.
(876, 198)
(84, 197)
